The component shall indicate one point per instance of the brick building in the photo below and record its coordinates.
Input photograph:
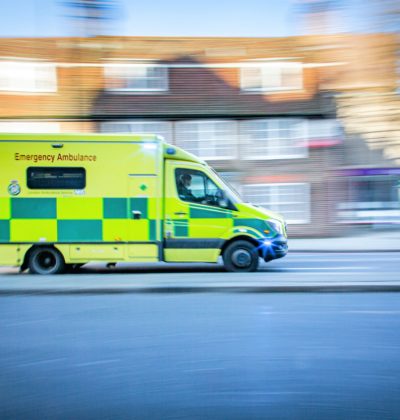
(263, 112)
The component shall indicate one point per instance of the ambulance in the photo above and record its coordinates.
(70, 199)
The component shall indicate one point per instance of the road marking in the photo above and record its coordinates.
(98, 362)
(258, 393)
(390, 276)
(334, 254)
(209, 369)
(41, 362)
(327, 268)
(350, 259)
(373, 312)
(328, 312)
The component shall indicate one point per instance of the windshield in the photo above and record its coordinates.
(233, 195)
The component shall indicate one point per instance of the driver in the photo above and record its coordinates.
(184, 191)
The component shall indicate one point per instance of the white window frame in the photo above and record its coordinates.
(167, 135)
(275, 199)
(233, 147)
(266, 73)
(26, 76)
(111, 71)
(244, 140)
(29, 127)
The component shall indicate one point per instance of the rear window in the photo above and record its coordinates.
(56, 178)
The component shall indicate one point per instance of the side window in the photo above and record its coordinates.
(196, 187)
(56, 178)
(211, 188)
(190, 185)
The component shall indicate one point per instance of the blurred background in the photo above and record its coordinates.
(296, 103)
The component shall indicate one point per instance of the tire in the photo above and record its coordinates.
(241, 256)
(46, 260)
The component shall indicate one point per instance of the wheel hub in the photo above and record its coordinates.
(46, 261)
(241, 258)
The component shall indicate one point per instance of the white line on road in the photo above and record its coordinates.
(97, 362)
(41, 362)
(328, 312)
(327, 268)
(373, 312)
(349, 259)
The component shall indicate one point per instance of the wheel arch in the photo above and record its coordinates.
(247, 238)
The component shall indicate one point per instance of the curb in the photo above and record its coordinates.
(366, 288)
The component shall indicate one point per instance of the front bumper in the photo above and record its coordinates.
(272, 249)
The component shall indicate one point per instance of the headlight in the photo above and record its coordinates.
(276, 224)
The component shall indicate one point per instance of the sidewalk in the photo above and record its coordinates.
(373, 241)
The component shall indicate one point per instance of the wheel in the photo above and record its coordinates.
(241, 256)
(46, 260)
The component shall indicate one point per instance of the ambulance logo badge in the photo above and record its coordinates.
(14, 188)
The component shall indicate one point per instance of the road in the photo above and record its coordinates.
(217, 356)
(203, 355)
(297, 271)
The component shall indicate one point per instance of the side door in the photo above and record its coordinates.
(144, 224)
(195, 217)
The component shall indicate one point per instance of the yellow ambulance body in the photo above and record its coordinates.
(67, 199)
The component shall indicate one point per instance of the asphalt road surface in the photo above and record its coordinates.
(196, 356)
(295, 270)
(203, 355)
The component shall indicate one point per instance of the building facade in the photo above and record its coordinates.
(263, 112)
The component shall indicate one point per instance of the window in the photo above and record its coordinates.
(56, 178)
(196, 187)
(371, 199)
(21, 76)
(208, 139)
(323, 129)
(290, 200)
(274, 138)
(136, 78)
(29, 127)
(161, 128)
(270, 77)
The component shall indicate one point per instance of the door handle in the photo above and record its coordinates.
(136, 214)
(180, 213)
